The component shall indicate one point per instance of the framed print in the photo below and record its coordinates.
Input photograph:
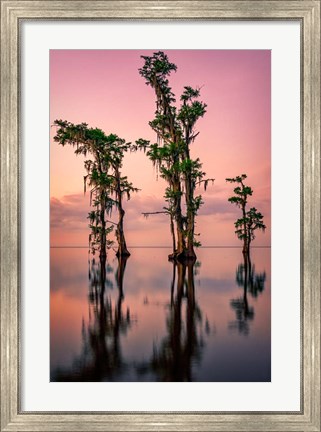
(160, 215)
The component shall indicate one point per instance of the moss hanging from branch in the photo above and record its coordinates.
(107, 185)
(175, 131)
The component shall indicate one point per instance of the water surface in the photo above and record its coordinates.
(146, 319)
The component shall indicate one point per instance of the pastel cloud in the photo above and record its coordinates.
(69, 224)
(70, 212)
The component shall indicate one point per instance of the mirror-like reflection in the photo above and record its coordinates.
(252, 284)
(173, 357)
(101, 357)
(147, 319)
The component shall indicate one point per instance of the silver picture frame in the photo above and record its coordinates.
(307, 12)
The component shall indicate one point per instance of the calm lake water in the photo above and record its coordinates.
(146, 319)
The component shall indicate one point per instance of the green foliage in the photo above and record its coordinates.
(242, 192)
(254, 221)
(156, 66)
(190, 113)
(189, 94)
(237, 179)
(247, 277)
(251, 219)
(140, 144)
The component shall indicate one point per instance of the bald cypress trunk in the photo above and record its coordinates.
(181, 245)
(189, 199)
(173, 234)
(120, 235)
(103, 239)
(122, 260)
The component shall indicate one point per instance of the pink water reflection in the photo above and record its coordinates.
(202, 332)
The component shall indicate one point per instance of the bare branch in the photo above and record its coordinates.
(192, 138)
(151, 213)
(109, 221)
(205, 180)
(146, 214)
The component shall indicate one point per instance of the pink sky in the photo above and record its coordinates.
(104, 89)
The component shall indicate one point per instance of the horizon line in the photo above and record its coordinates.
(161, 247)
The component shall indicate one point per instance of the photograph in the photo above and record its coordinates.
(160, 215)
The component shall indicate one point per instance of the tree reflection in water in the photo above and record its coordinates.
(252, 284)
(101, 357)
(173, 359)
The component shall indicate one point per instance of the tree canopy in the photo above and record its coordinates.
(107, 185)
